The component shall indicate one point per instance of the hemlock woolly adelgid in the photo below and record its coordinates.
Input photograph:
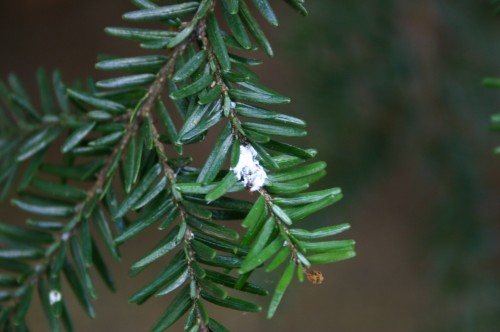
(249, 169)
(54, 296)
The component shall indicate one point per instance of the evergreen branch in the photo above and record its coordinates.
(206, 84)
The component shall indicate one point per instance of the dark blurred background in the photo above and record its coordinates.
(392, 95)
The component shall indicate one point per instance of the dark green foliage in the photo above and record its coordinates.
(113, 126)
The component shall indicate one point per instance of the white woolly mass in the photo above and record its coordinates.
(249, 169)
(54, 296)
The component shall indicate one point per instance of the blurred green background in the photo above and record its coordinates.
(391, 92)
